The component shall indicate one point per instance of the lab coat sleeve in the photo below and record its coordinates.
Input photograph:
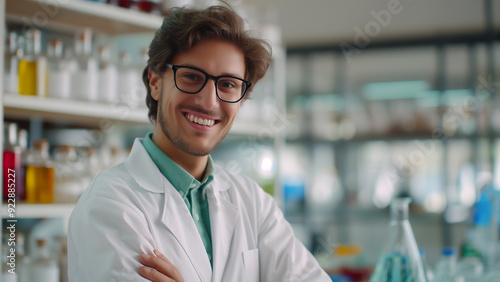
(282, 257)
(105, 239)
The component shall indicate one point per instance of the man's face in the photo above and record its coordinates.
(176, 108)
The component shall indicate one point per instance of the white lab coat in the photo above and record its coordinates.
(131, 209)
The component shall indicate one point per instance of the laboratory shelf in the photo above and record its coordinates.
(25, 210)
(64, 110)
(74, 14)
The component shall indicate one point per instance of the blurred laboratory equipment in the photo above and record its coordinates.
(400, 258)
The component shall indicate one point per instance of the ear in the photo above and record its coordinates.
(154, 84)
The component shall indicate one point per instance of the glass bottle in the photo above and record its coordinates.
(69, 172)
(58, 71)
(11, 64)
(22, 141)
(11, 162)
(22, 260)
(84, 81)
(43, 267)
(400, 259)
(62, 259)
(27, 72)
(429, 272)
(92, 166)
(40, 175)
(108, 77)
(128, 80)
(446, 266)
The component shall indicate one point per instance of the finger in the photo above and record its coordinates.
(176, 274)
(162, 266)
(161, 256)
(153, 275)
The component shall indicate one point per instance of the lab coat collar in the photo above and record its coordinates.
(148, 176)
(143, 169)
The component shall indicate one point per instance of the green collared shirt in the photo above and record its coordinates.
(191, 190)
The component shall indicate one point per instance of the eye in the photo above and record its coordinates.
(227, 84)
(192, 76)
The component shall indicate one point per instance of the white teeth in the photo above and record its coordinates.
(202, 121)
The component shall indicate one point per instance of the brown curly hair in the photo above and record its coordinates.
(184, 27)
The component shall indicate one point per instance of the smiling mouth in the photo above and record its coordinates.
(201, 121)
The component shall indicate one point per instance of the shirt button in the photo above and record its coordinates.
(182, 193)
(209, 257)
(196, 217)
(192, 185)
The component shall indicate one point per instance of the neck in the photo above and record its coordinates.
(194, 165)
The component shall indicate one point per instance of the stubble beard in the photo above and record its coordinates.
(177, 139)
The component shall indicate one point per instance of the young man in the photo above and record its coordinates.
(168, 213)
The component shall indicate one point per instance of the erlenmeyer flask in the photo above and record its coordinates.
(400, 260)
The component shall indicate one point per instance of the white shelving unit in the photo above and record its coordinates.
(69, 16)
(73, 14)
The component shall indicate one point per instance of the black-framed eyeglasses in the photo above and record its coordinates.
(191, 80)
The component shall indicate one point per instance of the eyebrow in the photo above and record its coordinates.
(200, 69)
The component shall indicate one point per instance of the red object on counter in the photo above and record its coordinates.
(356, 274)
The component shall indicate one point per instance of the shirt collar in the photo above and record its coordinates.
(176, 175)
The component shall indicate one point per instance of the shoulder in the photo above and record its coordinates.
(112, 187)
(109, 181)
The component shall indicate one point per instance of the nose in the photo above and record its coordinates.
(207, 97)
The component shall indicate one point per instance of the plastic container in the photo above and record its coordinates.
(400, 259)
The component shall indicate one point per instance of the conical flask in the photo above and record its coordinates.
(400, 260)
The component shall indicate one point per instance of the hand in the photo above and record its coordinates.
(158, 268)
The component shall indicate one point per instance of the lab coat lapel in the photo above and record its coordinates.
(178, 220)
(176, 215)
(223, 216)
